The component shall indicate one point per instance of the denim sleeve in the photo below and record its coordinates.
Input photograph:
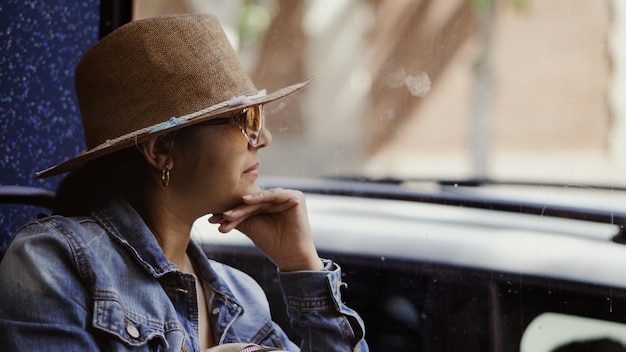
(318, 315)
(43, 305)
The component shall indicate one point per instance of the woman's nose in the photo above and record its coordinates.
(265, 138)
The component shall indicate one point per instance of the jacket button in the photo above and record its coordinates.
(215, 311)
(132, 331)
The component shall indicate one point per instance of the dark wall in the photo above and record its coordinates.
(40, 44)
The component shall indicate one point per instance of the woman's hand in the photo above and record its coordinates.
(276, 221)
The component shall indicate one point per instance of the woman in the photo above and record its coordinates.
(173, 127)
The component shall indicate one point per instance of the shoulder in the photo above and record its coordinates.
(43, 256)
(54, 233)
(50, 230)
(54, 224)
(53, 242)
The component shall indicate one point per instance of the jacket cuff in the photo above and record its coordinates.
(313, 289)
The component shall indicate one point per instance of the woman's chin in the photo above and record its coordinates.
(236, 199)
(254, 188)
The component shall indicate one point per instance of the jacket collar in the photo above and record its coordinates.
(125, 225)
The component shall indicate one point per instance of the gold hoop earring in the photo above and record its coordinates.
(165, 176)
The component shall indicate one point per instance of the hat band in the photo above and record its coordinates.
(240, 100)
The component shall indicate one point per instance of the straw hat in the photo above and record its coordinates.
(156, 75)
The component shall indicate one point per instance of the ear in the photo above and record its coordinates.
(158, 151)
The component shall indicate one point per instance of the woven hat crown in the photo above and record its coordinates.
(150, 70)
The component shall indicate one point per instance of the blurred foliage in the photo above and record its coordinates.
(254, 19)
(482, 6)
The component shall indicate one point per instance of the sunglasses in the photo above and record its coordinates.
(250, 121)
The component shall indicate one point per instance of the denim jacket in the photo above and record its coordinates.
(103, 283)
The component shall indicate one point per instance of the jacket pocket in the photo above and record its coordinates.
(126, 326)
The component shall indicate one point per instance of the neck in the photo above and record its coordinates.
(174, 245)
(170, 230)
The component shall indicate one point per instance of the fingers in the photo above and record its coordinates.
(272, 201)
(269, 201)
(275, 196)
(225, 225)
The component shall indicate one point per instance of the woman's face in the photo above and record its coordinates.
(213, 167)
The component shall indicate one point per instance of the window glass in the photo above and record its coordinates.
(510, 90)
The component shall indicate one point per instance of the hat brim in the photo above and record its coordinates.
(173, 124)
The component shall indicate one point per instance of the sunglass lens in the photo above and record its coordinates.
(254, 123)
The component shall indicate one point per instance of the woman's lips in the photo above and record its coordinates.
(253, 170)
